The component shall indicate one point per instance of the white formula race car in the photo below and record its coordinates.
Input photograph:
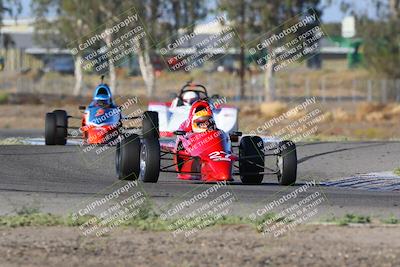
(172, 114)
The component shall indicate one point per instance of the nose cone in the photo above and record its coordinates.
(214, 171)
(101, 135)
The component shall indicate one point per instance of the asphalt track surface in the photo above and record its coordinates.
(65, 179)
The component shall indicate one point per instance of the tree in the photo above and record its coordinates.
(74, 20)
(106, 13)
(395, 7)
(285, 15)
(382, 43)
(163, 18)
(240, 17)
(160, 18)
(381, 37)
(256, 18)
(12, 8)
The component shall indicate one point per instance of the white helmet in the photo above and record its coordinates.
(189, 98)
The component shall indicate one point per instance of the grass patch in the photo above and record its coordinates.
(268, 220)
(30, 216)
(3, 98)
(391, 220)
(397, 171)
(11, 141)
(27, 210)
(327, 138)
(146, 219)
(155, 223)
(369, 133)
(37, 219)
(69, 220)
(350, 218)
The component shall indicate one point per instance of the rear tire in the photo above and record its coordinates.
(150, 125)
(50, 129)
(251, 146)
(150, 160)
(287, 163)
(62, 127)
(127, 158)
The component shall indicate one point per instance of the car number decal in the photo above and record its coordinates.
(219, 156)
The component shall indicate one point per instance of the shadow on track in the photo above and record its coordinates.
(336, 151)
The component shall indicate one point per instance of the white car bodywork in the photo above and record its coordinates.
(170, 118)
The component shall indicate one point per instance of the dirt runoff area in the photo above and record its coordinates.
(307, 245)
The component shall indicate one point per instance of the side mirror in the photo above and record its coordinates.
(215, 96)
(82, 107)
(179, 132)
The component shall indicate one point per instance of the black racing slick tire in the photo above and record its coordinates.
(150, 125)
(127, 157)
(150, 160)
(287, 163)
(251, 159)
(50, 129)
(62, 126)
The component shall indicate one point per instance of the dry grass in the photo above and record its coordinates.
(340, 115)
(377, 112)
(364, 109)
(272, 109)
(362, 121)
(28, 116)
(354, 122)
(289, 82)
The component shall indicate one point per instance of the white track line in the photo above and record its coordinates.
(40, 141)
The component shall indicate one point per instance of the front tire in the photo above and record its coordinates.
(150, 160)
(251, 159)
(62, 127)
(50, 129)
(287, 163)
(127, 158)
(150, 125)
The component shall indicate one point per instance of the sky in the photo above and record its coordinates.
(330, 14)
(334, 14)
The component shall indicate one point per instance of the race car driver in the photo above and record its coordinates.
(203, 121)
(102, 101)
(187, 99)
(200, 119)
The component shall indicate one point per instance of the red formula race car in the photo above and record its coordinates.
(201, 151)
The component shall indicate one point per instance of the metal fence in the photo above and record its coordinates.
(325, 89)
(329, 90)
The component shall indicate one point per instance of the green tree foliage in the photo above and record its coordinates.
(254, 18)
(75, 19)
(382, 39)
(382, 47)
(10, 7)
(381, 36)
